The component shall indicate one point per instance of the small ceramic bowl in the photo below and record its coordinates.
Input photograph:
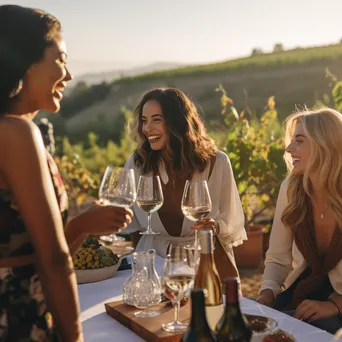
(261, 326)
(279, 336)
(97, 274)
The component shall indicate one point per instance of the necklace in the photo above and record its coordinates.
(323, 212)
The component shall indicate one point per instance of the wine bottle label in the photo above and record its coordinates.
(214, 313)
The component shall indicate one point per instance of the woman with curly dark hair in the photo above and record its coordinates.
(173, 144)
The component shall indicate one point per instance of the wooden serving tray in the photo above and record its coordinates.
(150, 329)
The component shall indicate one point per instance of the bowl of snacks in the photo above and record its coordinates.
(94, 262)
(261, 326)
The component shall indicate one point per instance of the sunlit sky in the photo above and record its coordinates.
(110, 34)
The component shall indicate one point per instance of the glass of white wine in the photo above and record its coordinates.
(337, 336)
(196, 202)
(177, 281)
(149, 198)
(117, 189)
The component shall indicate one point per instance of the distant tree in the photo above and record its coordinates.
(83, 97)
(341, 41)
(278, 47)
(257, 52)
(79, 88)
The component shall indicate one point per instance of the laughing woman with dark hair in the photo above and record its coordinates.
(173, 144)
(38, 293)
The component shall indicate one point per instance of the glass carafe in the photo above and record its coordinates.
(144, 294)
(142, 260)
(146, 259)
(128, 286)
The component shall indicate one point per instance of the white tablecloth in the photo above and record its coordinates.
(99, 327)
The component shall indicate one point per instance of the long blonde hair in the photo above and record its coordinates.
(323, 129)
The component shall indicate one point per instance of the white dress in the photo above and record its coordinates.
(226, 209)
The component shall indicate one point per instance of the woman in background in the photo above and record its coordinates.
(38, 293)
(173, 144)
(303, 273)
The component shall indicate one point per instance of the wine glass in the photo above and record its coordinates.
(177, 281)
(337, 336)
(196, 202)
(149, 198)
(118, 189)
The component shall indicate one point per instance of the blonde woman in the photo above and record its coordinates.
(303, 271)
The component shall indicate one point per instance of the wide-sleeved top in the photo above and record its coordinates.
(284, 262)
(226, 209)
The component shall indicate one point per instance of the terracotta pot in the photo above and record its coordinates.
(250, 253)
(266, 242)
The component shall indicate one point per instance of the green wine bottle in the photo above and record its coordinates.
(199, 330)
(233, 326)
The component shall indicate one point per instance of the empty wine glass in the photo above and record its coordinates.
(149, 198)
(196, 202)
(117, 189)
(177, 282)
(337, 336)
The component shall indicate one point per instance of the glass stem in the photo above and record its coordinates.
(149, 222)
(176, 307)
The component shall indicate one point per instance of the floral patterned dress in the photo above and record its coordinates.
(24, 316)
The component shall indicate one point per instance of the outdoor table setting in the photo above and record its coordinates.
(133, 301)
(99, 326)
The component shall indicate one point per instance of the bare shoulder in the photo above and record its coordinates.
(17, 133)
(16, 128)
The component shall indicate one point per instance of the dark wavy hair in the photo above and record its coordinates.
(189, 145)
(25, 33)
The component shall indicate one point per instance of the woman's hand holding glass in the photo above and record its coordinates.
(206, 224)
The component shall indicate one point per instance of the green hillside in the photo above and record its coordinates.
(295, 78)
(267, 60)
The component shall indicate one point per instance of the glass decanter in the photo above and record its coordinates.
(128, 286)
(144, 291)
(147, 259)
(142, 260)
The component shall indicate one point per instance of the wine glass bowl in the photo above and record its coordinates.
(117, 189)
(196, 202)
(337, 336)
(149, 198)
